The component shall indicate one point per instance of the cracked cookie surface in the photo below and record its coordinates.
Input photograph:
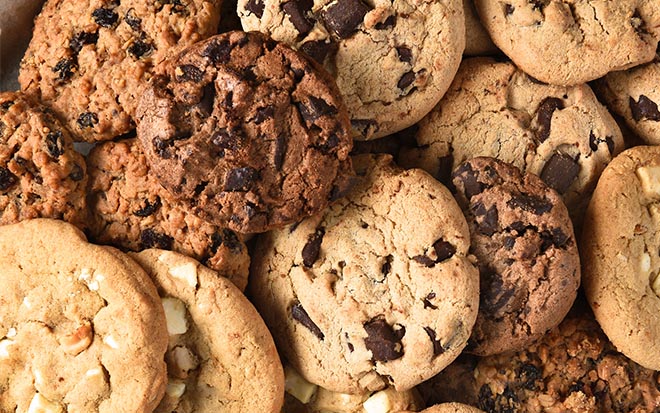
(81, 326)
(393, 60)
(246, 132)
(392, 303)
(572, 42)
(89, 59)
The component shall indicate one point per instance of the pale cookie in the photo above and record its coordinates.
(392, 303)
(393, 60)
(619, 249)
(573, 42)
(477, 39)
(562, 134)
(81, 326)
(450, 408)
(221, 356)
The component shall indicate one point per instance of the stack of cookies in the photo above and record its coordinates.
(332, 206)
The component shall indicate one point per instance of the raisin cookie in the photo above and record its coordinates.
(221, 356)
(81, 326)
(89, 59)
(248, 133)
(392, 302)
(564, 135)
(41, 175)
(130, 210)
(528, 260)
(619, 248)
(570, 43)
(393, 60)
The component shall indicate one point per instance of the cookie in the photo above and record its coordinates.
(81, 326)
(564, 135)
(390, 304)
(41, 175)
(130, 210)
(619, 249)
(450, 408)
(570, 43)
(221, 356)
(89, 59)
(247, 132)
(522, 237)
(393, 60)
(477, 39)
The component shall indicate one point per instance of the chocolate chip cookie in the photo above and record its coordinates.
(247, 132)
(89, 59)
(477, 39)
(41, 175)
(81, 326)
(528, 260)
(393, 60)
(376, 290)
(129, 209)
(449, 408)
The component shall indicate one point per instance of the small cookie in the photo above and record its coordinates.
(564, 135)
(619, 249)
(570, 43)
(392, 303)
(221, 356)
(41, 175)
(393, 60)
(477, 39)
(450, 408)
(528, 260)
(247, 132)
(130, 210)
(89, 59)
(81, 326)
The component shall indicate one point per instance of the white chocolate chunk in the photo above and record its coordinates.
(649, 176)
(11, 333)
(91, 280)
(181, 361)
(4, 348)
(175, 389)
(40, 404)
(645, 263)
(186, 271)
(175, 315)
(378, 403)
(27, 303)
(111, 342)
(38, 378)
(77, 341)
(297, 386)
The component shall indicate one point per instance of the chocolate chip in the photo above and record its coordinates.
(350, 346)
(218, 51)
(299, 12)
(644, 108)
(428, 303)
(530, 203)
(437, 346)
(465, 175)
(82, 38)
(315, 108)
(610, 144)
(509, 9)
(424, 260)
(6, 105)
(225, 140)
(544, 116)
(486, 219)
(152, 239)
(207, 102)
(443, 250)
(77, 173)
(7, 179)
(327, 147)
(344, 16)
(387, 265)
(134, 22)
(65, 68)
(509, 242)
(365, 127)
(389, 22)
(140, 48)
(559, 238)
(54, 144)
(148, 209)
(342, 189)
(299, 314)
(406, 80)
(240, 179)
(593, 142)
(105, 17)
(405, 55)
(87, 120)
(317, 49)
(189, 73)
(312, 248)
(249, 75)
(494, 294)
(264, 113)
(560, 172)
(256, 7)
(382, 340)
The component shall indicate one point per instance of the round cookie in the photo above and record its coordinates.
(221, 356)
(392, 303)
(570, 43)
(247, 132)
(477, 39)
(564, 135)
(41, 175)
(526, 251)
(81, 326)
(130, 210)
(450, 408)
(89, 59)
(393, 60)
(619, 249)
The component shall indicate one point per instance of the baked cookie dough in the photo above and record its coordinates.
(392, 60)
(246, 132)
(392, 303)
(89, 59)
(450, 408)
(619, 249)
(573, 42)
(81, 326)
(477, 39)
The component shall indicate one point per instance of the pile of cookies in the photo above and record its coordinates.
(332, 206)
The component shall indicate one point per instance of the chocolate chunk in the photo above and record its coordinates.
(54, 144)
(280, 151)
(264, 113)
(256, 7)
(312, 248)
(350, 346)
(6, 105)
(225, 140)
(343, 17)
(134, 22)
(486, 219)
(559, 238)
(77, 173)
(424, 260)
(7, 179)
(240, 179)
(530, 203)
(610, 144)
(468, 177)
(152, 239)
(105, 17)
(509, 242)
(443, 250)
(428, 303)
(389, 22)
(299, 314)
(560, 172)
(509, 9)
(207, 102)
(148, 209)
(406, 80)
(343, 188)
(65, 68)
(544, 116)
(382, 340)
(249, 75)
(315, 108)
(644, 108)
(437, 346)
(445, 164)
(140, 48)
(87, 120)
(405, 54)
(317, 49)
(82, 38)
(189, 73)
(299, 12)
(218, 51)
(228, 238)
(387, 265)
(366, 127)
(494, 294)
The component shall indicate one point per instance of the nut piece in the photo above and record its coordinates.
(297, 386)
(77, 341)
(378, 403)
(330, 401)
(4, 348)
(650, 179)
(655, 286)
(40, 404)
(175, 315)
(180, 361)
(186, 271)
(175, 389)
(111, 342)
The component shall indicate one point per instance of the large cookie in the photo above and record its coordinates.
(393, 60)
(569, 43)
(129, 209)
(477, 39)
(562, 134)
(247, 132)
(81, 326)
(41, 175)
(376, 290)
(221, 356)
(450, 408)
(89, 59)
(619, 249)
(528, 260)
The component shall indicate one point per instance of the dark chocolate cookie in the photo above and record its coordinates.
(247, 132)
